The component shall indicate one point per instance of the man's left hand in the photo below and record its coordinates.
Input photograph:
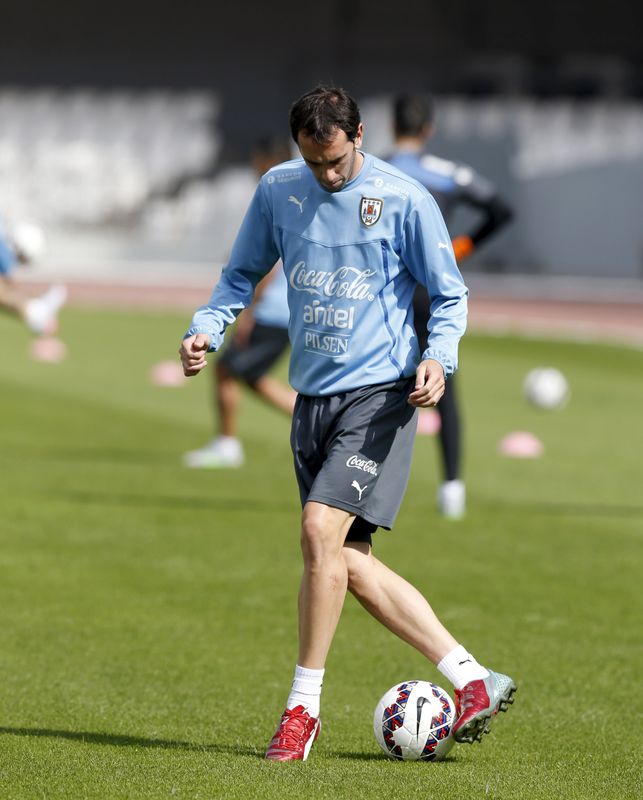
(429, 384)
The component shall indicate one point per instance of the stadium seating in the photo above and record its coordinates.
(85, 156)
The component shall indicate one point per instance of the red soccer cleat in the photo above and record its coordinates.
(294, 737)
(478, 702)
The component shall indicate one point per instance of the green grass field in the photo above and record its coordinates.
(147, 612)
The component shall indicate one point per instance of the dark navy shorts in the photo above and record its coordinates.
(251, 361)
(354, 451)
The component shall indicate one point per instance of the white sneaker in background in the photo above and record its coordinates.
(452, 499)
(41, 313)
(222, 452)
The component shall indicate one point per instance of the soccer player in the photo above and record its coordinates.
(260, 339)
(40, 314)
(451, 184)
(355, 236)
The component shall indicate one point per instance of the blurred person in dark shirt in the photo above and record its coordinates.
(260, 339)
(452, 184)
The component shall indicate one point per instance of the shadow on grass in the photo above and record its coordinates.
(569, 509)
(98, 455)
(384, 758)
(359, 756)
(120, 740)
(165, 501)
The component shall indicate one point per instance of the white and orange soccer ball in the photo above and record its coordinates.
(414, 721)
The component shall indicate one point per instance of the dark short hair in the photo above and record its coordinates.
(412, 113)
(321, 111)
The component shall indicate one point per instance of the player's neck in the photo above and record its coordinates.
(409, 144)
(357, 165)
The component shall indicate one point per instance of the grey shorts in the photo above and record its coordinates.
(251, 361)
(354, 450)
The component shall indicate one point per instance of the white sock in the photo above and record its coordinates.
(306, 690)
(460, 667)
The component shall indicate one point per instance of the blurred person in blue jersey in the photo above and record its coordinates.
(355, 236)
(24, 244)
(260, 339)
(452, 184)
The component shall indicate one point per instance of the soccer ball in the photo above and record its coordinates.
(29, 242)
(413, 722)
(546, 387)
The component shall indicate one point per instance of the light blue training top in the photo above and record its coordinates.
(272, 307)
(352, 259)
(449, 182)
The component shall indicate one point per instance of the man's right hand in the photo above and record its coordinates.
(193, 351)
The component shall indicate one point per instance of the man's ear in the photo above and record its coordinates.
(360, 135)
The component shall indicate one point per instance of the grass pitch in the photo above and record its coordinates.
(148, 612)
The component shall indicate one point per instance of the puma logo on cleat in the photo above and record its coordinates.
(360, 489)
(298, 202)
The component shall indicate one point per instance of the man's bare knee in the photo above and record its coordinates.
(323, 530)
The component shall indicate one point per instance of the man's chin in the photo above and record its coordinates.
(333, 187)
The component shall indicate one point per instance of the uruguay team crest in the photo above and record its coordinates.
(370, 210)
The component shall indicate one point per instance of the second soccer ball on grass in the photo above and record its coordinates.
(546, 387)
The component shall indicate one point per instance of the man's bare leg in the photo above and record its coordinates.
(40, 314)
(225, 450)
(395, 603)
(11, 300)
(227, 393)
(278, 394)
(324, 582)
(321, 598)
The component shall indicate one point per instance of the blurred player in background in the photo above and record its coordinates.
(355, 236)
(25, 244)
(260, 339)
(451, 184)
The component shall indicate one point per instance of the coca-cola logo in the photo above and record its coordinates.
(348, 282)
(365, 464)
